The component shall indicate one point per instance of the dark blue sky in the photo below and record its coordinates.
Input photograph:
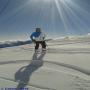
(18, 18)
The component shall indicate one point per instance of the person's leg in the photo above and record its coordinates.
(37, 45)
(43, 43)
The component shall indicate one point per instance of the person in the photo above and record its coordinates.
(38, 37)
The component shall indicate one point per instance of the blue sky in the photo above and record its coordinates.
(18, 18)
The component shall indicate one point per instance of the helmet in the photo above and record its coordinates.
(38, 29)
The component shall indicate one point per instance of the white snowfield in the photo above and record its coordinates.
(64, 66)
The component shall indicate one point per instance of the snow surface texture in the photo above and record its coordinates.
(64, 66)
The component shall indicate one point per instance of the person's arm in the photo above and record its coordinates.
(44, 36)
(32, 37)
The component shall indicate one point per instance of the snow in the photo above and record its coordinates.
(64, 66)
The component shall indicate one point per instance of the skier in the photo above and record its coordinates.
(38, 37)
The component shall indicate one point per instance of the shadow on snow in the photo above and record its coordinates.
(24, 73)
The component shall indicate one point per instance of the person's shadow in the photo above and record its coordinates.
(22, 76)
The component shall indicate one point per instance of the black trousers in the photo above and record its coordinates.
(43, 44)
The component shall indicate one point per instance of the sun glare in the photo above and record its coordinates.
(69, 12)
(66, 10)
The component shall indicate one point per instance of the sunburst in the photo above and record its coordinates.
(66, 9)
(71, 14)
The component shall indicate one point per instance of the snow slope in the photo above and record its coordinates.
(64, 66)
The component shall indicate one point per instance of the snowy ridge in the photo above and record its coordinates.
(62, 40)
(70, 40)
(13, 43)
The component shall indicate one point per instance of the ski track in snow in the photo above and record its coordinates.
(84, 71)
(78, 83)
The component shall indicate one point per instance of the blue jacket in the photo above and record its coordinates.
(37, 36)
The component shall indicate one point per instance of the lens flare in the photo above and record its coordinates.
(68, 15)
(72, 15)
